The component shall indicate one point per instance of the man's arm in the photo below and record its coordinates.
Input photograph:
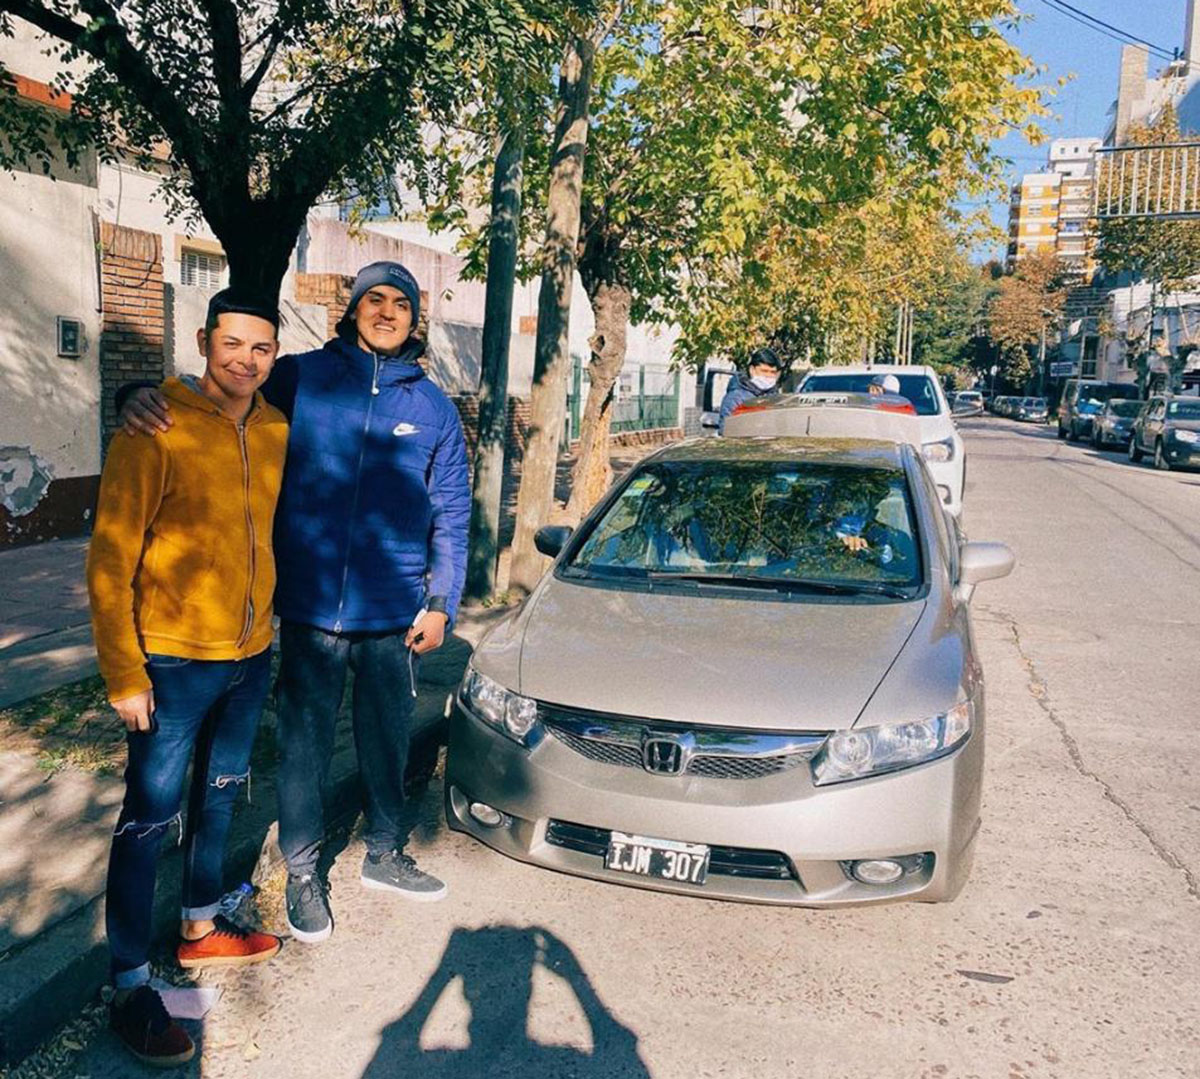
(142, 409)
(131, 490)
(450, 492)
(734, 396)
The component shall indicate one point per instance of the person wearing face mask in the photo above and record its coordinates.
(761, 379)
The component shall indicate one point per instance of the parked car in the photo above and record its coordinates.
(1082, 401)
(1030, 409)
(1003, 405)
(967, 403)
(942, 445)
(1114, 425)
(649, 717)
(1168, 426)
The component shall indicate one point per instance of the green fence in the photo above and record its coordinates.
(647, 398)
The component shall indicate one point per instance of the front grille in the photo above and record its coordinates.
(627, 756)
(743, 862)
(712, 753)
(744, 767)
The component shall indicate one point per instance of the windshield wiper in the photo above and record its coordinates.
(785, 584)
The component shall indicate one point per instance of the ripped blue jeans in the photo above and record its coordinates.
(212, 707)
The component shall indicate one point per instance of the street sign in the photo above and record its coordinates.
(1062, 368)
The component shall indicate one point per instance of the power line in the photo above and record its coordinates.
(1107, 29)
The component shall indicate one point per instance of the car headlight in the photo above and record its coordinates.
(508, 712)
(1186, 436)
(939, 451)
(866, 751)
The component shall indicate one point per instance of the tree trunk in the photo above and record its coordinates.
(593, 470)
(508, 180)
(535, 499)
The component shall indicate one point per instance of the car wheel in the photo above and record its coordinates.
(1072, 434)
(1135, 452)
(1097, 441)
(1062, 431)
(1160, 458)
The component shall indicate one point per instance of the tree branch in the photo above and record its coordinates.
(227, 52)
(106, 41)
(250, 88)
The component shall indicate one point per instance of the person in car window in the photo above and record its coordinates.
(882, 384)
(760, 380)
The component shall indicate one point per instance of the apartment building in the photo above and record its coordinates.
(1050, 209)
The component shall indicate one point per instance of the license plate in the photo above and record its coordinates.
(662, 858)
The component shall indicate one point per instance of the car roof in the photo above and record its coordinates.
(854, 452)
(874, 369)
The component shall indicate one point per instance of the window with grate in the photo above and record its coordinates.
(204, 271)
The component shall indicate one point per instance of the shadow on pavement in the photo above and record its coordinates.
(497, 965)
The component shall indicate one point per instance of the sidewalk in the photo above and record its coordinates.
(45, 632)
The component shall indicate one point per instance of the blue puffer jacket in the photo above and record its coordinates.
(741, 390)
(373, 517)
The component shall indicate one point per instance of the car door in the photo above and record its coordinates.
(1154, 423)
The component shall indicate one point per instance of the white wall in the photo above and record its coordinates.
(302, 329)
(49, 405)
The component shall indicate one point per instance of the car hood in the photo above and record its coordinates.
(724, 661)
(1184, 425)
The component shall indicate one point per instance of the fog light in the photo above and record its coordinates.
(488, 816)
(946, 493)
(870, 871)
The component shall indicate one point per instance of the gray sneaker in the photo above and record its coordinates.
(396, 872)
(308, 914)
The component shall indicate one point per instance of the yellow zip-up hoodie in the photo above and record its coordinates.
(180, 561)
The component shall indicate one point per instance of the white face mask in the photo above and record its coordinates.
(764, 382)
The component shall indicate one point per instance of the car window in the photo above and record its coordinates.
(919, 389)
(773, 519)
(1184, 410)
(1125, 408)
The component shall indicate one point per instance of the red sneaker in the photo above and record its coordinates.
(149, 1033)
(227, 945)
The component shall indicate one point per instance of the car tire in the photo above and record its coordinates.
(1160, 458)
(1072, 434)
(1097, 441)
(1135, 451)
(1062, 431)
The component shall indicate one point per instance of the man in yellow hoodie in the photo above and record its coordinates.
(181, 575)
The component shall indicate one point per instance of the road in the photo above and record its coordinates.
(1072, 953)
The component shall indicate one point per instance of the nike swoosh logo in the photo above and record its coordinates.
(402, 429)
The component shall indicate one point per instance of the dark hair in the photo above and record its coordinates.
(765, 357)
(232, 302)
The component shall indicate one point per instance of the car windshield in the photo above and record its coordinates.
(1184, 410)
(919, 389)
(1090, 405)
(1035, 402)
(790, 525)
(1127, 409)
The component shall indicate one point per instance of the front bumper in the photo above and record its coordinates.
(559, 807)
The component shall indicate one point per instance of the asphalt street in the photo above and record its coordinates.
(1072, 953)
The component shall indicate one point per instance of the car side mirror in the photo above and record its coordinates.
(551, 539)
(984, 562)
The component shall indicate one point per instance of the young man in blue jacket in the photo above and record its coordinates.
(370, 549)
(761, 379)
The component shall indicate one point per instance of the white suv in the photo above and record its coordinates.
(941, 444)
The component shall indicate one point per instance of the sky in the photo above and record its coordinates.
(1066, 48)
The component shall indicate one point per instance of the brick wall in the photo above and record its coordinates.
(131, 296)
(330, 290)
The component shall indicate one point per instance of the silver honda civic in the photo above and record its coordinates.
(749, 675)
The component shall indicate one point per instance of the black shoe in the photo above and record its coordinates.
(396, 872)
(141, 1021)
(308, 914)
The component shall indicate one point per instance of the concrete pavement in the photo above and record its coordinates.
(1068, 956)
(45, 634)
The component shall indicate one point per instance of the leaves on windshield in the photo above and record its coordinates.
(831, 523)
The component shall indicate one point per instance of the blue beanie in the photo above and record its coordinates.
(382, 273)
